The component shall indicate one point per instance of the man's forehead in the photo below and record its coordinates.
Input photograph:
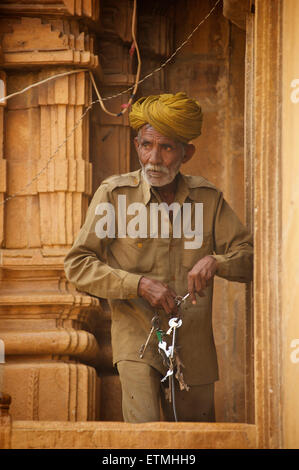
(149, 132)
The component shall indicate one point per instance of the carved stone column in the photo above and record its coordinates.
(47, 327)
(2, 159)
(268, 222)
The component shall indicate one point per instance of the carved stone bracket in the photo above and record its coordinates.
(80, 8)
(33, 41)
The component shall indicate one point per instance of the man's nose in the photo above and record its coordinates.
(155, 156)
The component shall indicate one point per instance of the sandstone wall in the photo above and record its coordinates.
(39, 225)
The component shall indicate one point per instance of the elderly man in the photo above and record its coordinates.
(141, 264)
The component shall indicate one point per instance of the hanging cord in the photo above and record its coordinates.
(140, 81)
(135, 87)
(96, 101)
(173, 398)
(158, 69)
(179, 301)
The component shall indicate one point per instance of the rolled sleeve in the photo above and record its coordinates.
(86, 266)
(233, 245)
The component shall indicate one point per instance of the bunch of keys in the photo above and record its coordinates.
(155, 327)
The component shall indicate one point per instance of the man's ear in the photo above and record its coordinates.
(189, 152)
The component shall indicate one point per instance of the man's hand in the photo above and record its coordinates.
(159, 295)
(200, 276)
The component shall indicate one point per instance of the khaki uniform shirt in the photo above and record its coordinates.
(111, 268)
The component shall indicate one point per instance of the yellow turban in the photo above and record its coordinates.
(175, 116)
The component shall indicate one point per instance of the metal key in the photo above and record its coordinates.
(179, 300)
(164, 347)
(153, 328)
(168, 374)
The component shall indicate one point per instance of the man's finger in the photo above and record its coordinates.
(199, 283)
(200, 286)
(191, 290)
(171, 304)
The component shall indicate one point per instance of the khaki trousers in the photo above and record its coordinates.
(143, 397)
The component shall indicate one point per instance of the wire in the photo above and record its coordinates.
(169, 58)
(50, 159)
(102, 99)
(173, 398)
(140, 81)
(127, 106)
(41, 82)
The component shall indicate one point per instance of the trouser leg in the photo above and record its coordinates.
(142, 392)
(140, 384)
(196, 405)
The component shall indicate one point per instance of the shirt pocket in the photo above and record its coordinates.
(191, 256)
(135, 255)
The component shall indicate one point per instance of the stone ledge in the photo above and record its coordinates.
(118, 435)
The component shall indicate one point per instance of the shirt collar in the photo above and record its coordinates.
(182, 192)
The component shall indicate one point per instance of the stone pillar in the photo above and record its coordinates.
(267, 165)
(3, 93)
(48, 328)
(290, 225)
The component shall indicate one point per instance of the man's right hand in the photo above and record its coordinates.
(159, 295)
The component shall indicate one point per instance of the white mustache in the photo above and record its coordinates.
(159, 168)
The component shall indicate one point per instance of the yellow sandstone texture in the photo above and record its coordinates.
(58, 370)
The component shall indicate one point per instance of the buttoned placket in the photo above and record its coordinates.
(172, 245)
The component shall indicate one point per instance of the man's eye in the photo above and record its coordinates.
(168, 148)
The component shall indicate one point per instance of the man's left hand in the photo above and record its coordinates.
(200, 276)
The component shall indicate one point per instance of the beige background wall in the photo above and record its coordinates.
(46, 322)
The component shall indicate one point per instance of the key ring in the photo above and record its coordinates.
(174, 322)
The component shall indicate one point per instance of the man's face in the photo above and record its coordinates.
(160, 157)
